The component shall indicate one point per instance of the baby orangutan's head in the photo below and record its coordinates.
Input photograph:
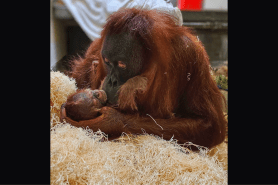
(85, 104)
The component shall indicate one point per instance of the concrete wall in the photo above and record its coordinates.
(58, 38)
(215, 5)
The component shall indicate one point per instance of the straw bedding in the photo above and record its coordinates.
(83, 156)
(61, 86)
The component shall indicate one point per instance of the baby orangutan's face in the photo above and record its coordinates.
(92, 98)
(85, 104)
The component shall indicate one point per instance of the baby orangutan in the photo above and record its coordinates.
(85, 104)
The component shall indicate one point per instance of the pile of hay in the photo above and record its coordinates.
(81, 156)
(61, 86)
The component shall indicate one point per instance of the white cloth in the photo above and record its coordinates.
(91, 15)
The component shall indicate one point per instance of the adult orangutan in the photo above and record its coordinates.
(156, 77)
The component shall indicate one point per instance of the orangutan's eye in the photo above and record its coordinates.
(107, 62)
(121, 64)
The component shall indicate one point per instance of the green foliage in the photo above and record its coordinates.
(222, 81)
